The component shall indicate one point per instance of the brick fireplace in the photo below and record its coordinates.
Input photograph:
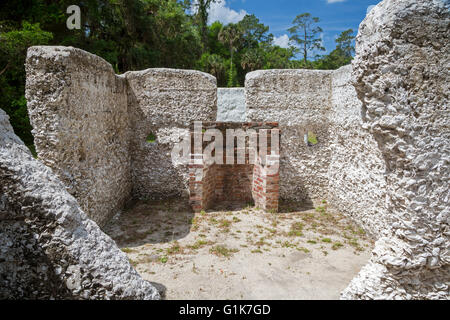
(245, 171)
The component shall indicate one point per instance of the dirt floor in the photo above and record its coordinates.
(240, 252)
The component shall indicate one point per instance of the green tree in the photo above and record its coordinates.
(345, 43)
(215, 65)
(13, 48)
(279, 58)
(340, 56)
(231, 37)
(305, 33)
(253, 32)
(253, 59)
(201, 8)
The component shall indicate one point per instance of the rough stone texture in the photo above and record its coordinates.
(300, 100)
(49, 249)
(78, 110)
(231, 104)
(357, 185)
(402, 77)
(91, 126)
(164, 102)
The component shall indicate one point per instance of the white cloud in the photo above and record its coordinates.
(281, 41)
(335, 1)
(218, 11)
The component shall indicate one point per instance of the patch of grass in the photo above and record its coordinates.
(353, 242)
(327, 240)
(198, 244)
(287, 244)
(151, 138)
(336, 245)
(163, 259)
(312, 138)
(261, 242)
(195, 222)
(236, 219)
(256, 251)
(312, 241)
(133, 262)
(296, 230)
(174, 249)
(303, 249)
(320, 209)
(127, 250)
(308, 217)
(213, 220)
(223, 251)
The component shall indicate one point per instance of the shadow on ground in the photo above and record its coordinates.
(164, 221)
(151, 222)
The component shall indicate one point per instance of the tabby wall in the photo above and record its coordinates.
(49, 248)
(401, 76)
(300, 101)
(356, 172)
(92, 127)
(78, 110)
(162, 104)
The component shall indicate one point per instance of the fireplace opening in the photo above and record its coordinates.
(236, 164)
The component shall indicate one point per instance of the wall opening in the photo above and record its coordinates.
(244, 172)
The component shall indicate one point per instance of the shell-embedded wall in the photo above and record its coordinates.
(162, 104)
(401, 76)
(78, 110)
(299, 100)
(49, 248)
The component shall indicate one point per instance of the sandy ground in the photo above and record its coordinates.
(240, 252)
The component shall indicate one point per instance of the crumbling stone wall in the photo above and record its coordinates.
(231, 104)
(49, 249)
(92, 127)
(163, 103)
(401, 76)
(300, 101)
(78, 110)
(356, 173)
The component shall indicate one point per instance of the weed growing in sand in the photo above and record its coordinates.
(296, 230)
(223, 251)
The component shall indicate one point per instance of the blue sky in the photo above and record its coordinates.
(335, 15)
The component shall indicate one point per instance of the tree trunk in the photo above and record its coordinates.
(4, 69)
(305, 51)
